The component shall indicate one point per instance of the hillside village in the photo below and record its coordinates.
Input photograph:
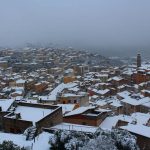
(47, 89)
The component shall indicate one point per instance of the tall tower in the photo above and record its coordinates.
(138, 60)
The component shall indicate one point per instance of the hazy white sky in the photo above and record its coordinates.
(103, 24)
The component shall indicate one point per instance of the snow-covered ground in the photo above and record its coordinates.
(40, 143)
(18, 139)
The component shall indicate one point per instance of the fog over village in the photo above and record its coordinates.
(74, 75)
(100, 25)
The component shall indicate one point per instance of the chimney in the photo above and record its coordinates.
(18, 116)
(138, 60)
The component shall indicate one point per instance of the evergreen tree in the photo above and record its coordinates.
(9, 145)
(115, 139)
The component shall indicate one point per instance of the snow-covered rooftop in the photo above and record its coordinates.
(141, 118)
(71, 95)
(31, 113)
(124, 94)
(79, 110)
(116, 78)
(75, 127)
(116, 103)
(101, 102)
(138, 129)
(6, 103)
(135, 102)
(60, 88)
(20, 81)
(66, 107)
(75, 89)
(102, 92)
(111, 122)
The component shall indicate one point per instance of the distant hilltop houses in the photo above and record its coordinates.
(46, 90)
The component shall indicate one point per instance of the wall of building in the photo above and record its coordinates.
(15, 126)
(52, 119)
(68, 79)
(143, 142)
(139, 78)
(84, 120)
(78, 119)
(81, 101)
(2, 114)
